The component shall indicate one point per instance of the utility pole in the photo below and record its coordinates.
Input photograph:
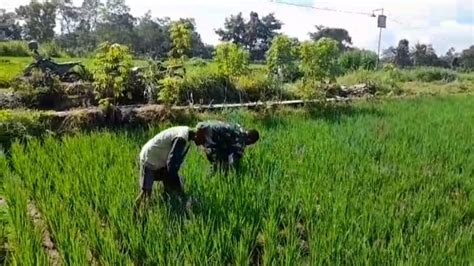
(381, 24)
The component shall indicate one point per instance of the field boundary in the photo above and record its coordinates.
(47, 241)
(37, 123)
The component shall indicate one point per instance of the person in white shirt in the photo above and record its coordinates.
(162, 156)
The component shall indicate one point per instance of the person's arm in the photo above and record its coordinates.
(176, 156)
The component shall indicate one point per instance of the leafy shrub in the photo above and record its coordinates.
(318, 60)
(357, 59)
(309, 89)
(111, 71)
(281, 58)
(19, 124)
(41, 90)
(170, 90)
(231, 59)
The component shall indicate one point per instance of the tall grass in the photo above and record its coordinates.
(387, 184)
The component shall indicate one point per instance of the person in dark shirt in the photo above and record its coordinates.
(225, 143)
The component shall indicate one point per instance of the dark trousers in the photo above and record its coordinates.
(171, 183)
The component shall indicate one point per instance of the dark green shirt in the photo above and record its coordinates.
(223, 139)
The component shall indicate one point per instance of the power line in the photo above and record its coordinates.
(324, 8)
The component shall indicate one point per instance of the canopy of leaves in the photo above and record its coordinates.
(255, 35)
(467, 58)
(40, 20)
(342, 36)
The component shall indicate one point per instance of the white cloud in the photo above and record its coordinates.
(444, 23)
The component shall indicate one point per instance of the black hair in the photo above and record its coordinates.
(252, 137)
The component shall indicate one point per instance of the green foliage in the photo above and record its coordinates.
(341, 36)
(368, 183)
(318, 60)
(430, 74)
(112, 69)
(255, 34)
(52, 49)
(180, 35)
(281, 58)
(467, 58)
(20, 49)
(231, 59)
(14, 48)
(19, 125)
(170, 90)
(205, 85)
(259, 87)
(39, 19)
(357, 59)
(309, 89)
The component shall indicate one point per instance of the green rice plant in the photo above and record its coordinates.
(384, 183)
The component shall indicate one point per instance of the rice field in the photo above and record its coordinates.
(376, 183)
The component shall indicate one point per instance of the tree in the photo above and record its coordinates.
(9, 27)
(342, 36)
(231, 59)
(467, 58)
(424, 55)
(68, 16)
(180, 34)
(40, 20)
(318, 60)
(234, 30)
(153, 38)
(255, 35)
(116, 25)
(449, 59)
(281, 57)
(198, 48)
(402, 54)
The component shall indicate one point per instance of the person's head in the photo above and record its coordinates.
(198, 135)
(252, 136)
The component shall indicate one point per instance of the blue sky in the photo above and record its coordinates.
(444, 23)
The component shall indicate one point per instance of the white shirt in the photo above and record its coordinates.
(155, 152)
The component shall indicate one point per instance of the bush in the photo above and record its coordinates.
(52, 49)
(42, 91)
(206, 85)
(318, 60)
(231, 59)
(309, 89)
(170, 90)
(430, 74)
(281, 58)
(259, 87)
(14, 48)
(357, 59)
(112, 71)
(20, 49)
(19, 124)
